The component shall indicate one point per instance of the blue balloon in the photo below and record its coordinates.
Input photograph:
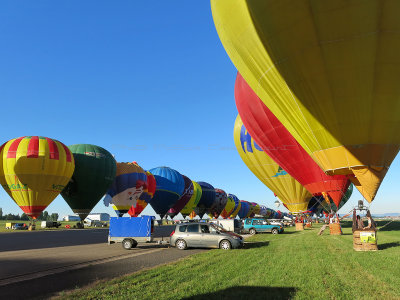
(207, 198)
(244, 209)
(169, 188)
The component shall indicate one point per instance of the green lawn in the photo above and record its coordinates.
(38, 227)
(295, 265)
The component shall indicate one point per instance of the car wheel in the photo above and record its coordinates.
(225, 245)
(127, 244)
(181, 244)
(252, 231)
(274, 231)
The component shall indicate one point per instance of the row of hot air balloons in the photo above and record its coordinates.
(35, 170)
(319, 92)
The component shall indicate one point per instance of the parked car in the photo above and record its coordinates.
(50, 224)
(20, 226)
(204, 235)
(256, 225)
(276, 222)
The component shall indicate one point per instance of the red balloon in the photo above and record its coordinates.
(281, 146)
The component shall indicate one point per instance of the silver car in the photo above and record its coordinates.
(204, 235)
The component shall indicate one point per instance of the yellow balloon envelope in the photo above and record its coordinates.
(236, 211)
(288, 190)
(228, 209)
(34, 170)
(328, 70)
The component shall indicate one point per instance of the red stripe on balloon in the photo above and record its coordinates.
(12, 151)
(33, 211)
(67, 152)
(53, 149)
(33, 147)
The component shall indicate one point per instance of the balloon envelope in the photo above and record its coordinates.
(184, 199)
(279, 144)
(220, 201)
(328, 71)
(149, 189)
(127, 187)
(194, 200)
(34, 170)
(288, 190)
(244, 209)
(207, 198)
(229, 207)
(170, 186)
(94, 172)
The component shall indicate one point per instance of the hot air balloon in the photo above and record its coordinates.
(170, 187)
(328, 71)
(94, 172)
(229, 207)
(34, 170)
(207, 198)
(194, 200)
(263, 210)
(244, 209)
(220, 201)
(184, 199)
(256, 208)
(288, 190)
(126, 188)
(147, 194)
(237, 208)
(280, 145)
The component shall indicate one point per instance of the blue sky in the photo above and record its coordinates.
(150, 82)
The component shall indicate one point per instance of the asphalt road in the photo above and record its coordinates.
(39, 264)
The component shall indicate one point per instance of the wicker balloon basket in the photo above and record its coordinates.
(365, 240)
(299, 226)
(335, 229)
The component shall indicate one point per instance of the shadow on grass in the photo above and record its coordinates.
(249, 292)
(388, 245)
(250, 245)
(393, 226)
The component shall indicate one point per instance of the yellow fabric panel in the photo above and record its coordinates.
(34, 181)
(288, 190)
(327, 69)
(236, 211)
(192, 203)
(230, 205)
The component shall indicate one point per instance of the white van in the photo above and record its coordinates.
(233, 225)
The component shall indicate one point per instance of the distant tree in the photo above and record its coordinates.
(54, 217)
(24, 217)
(1, 213)
(40, 217)
(12, 217)
(46, 216)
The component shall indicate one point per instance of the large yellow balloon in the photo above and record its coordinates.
(34, 170)
(329, 70)
(287, 189)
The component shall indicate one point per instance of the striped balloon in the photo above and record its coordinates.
(34, 170)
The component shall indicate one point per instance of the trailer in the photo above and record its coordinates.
(131, 231)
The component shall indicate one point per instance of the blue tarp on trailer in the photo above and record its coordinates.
(131, 227)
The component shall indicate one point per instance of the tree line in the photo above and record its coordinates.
(44, 216)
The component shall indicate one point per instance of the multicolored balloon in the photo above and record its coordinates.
(220, 201)
(289, 191)
(95, 170)
(126, 188)
(194, 200)
(244, 209)
(146, 196)
(229, 207)
(170, 187)
(184, 199)
(34, 170)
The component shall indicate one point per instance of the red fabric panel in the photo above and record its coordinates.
(12, 151)
(53, 149)
(33, 147)
(281, 146)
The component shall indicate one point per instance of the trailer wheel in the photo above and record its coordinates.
(134, 244)
(127, 244)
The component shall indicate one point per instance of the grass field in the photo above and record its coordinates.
(293, 265)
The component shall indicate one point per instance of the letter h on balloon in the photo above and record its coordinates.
(245, 137)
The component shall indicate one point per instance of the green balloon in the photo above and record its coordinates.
(95, 170)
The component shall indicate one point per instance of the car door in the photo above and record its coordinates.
(266, 226)
(209, 237)
(192, 236)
